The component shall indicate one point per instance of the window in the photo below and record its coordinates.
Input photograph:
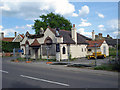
(89, 49)
(82, 49)
(57, 47)
(64, 50)
(29, 52)
(22, 51)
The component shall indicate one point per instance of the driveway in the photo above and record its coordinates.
(89, 62)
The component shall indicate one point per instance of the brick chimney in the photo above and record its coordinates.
(108, 36)
(100, 35)
(2, 35)
(15, 34)
(74, 33)
(93, 35)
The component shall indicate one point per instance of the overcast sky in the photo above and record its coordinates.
(19, 15)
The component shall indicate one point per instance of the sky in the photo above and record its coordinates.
(19, 15)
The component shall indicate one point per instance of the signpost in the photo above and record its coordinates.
(27, 48)
(14, 53)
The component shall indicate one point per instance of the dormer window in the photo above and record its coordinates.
(57, 32)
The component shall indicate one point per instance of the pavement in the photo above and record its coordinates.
(42, 75)
(65, 68)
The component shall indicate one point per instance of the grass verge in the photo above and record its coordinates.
(108, 67)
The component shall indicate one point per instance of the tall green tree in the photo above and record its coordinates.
(52, 20)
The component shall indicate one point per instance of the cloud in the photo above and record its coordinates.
(84, 11)
(29, 25)
(100, 15)
(82, 31)
(75, 15)
(84, 23)
(7, 32)
(101, 27)
(30, 10)
(18, 29)
(111, 27)
(1, 26)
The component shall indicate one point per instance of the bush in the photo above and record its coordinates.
(9, 46)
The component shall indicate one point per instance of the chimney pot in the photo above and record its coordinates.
(108, 36)
(2, 35)
(100, 35)
(73, 25)
(93, 35)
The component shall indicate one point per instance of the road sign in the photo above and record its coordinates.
(20, 50)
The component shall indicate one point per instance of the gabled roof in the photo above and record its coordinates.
(21, 35)
(8, 39)
(112, 42)
(35, 43)
(92, 43)
(17, 36)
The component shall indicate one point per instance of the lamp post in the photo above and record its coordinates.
(27, 48)
(96, 54)
(47, 48)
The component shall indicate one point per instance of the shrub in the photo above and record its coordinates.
(9, 46)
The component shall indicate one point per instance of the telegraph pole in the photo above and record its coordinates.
(117, 50)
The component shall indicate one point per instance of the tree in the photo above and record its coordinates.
(52, 20)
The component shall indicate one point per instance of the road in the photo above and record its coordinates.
(25, 75)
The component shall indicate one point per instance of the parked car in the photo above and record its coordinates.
(99, 55)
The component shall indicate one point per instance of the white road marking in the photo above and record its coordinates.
(44, 80)
(3, 71)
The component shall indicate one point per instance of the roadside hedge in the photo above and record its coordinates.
(9, 46)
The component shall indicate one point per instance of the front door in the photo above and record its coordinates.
(36, 53)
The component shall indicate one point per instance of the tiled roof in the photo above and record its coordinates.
(67, 38)
(92, 43)
(8, 39)
(112, 42)
(35, 43)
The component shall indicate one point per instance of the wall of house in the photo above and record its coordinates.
(63, 56)
(76, 51)
(32, 56)
(107, 48)
(47, 33)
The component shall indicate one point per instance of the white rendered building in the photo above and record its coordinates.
(54, 43)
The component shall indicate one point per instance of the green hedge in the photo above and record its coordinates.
(9, 46)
